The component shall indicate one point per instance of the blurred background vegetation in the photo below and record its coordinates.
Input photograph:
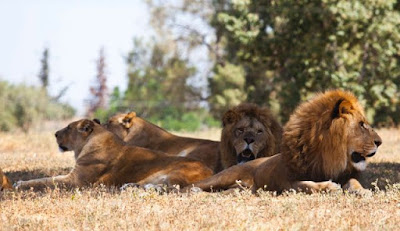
(22, 107)
(274, 53)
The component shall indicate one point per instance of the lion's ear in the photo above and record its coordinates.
(127, 121)
(7, 184)
(341, 107)
(86, 126)
(97, 121)
(229, 117)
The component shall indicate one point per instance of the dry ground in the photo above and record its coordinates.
(24, 157)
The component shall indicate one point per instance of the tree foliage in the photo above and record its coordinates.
(308, 46)
(157, 79)
(282, 51)
(227, 88)
(158, 88)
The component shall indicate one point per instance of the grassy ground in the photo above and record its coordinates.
(36, 155)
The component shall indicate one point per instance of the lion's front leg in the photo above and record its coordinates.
(237, 176)
(312, 186)
(63, 180)
(354, 186)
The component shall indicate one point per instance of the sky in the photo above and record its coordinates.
(74, 31)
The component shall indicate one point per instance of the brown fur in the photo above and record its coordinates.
(250, 127)
(102, 158)
(139, 132)
(236, 176)
(5, 183)
(319, 143)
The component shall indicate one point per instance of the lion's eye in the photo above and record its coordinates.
(240, 130)
(259, 131)
(364, 125)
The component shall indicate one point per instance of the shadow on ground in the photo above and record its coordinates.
(384, 173)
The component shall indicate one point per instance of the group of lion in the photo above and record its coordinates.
(324, 146)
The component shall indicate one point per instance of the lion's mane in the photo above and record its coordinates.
(314, 143)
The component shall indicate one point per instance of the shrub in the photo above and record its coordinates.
(23, 106)
(188, 121)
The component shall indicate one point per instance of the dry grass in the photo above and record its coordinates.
(26, 157)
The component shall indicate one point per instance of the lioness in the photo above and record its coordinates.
(5, 183)
(102, 158)
(139, 132)
(327, 138)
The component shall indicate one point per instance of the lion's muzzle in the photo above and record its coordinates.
(245, 156)
(357, 157)
(62, 148)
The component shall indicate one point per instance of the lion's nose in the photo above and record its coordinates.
(378, 142)
(249, 140)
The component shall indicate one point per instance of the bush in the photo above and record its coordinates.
(24, 106)
(189, 121)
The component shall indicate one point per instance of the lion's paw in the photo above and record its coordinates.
(18, 185)
(361, 192)
(329, 186)
(156, 187)
(196, 190)
(129, 185)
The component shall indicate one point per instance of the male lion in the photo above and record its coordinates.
(326, 139)
(102, 158)
(5, 183)
(249, 132)
(139, 132)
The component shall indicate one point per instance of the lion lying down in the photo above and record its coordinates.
(139, 132)
(248, 132)
(326, 139)
(102, 158)
(5, 183)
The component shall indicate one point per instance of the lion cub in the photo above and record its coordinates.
(102, 158)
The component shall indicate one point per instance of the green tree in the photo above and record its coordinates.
(157, 79)
(227, 88)
(158, 87)
(291, 49)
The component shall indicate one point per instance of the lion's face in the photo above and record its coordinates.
(73, 137)
(248, 138)
(363, 142)
(328, 137)
(120, 124)
(249, 132)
